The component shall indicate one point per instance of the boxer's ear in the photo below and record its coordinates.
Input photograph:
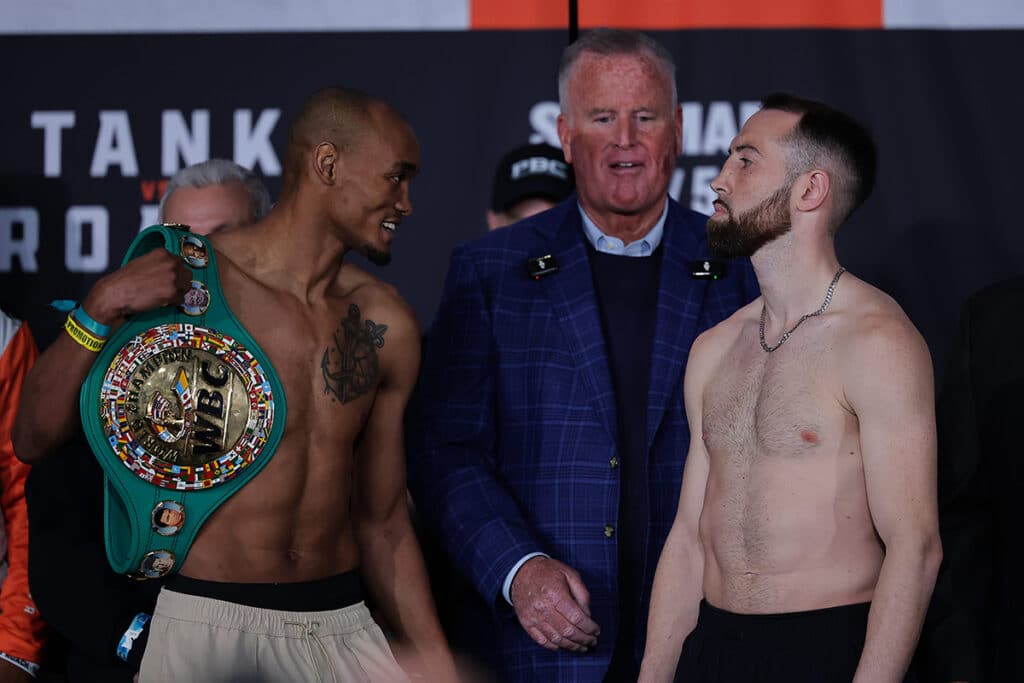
(325, 162)
(811, 190)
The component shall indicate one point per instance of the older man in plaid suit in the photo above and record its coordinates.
(551, 431)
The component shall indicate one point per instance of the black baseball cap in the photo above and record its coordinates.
(531, 171)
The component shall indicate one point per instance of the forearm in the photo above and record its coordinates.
(48, 416)
(675, 601)
(898, 608)
(395, 576)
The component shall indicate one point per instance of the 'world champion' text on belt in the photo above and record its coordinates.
(185, 407)
(181, 406)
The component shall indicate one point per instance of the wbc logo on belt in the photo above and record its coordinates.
(185, 407)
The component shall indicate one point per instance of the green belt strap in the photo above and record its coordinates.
(181, 408)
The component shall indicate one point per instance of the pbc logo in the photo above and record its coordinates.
(540, 166)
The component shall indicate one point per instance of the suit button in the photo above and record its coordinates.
(609, 531)
(614, 462)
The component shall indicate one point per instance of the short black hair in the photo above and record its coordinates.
(338, 115)
(826, 134)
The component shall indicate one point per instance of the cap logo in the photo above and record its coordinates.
(540, 166)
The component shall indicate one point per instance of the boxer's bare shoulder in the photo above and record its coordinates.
(371, 314)
(342, 354)
(878, 344)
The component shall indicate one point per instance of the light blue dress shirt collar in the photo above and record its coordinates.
(606, 244)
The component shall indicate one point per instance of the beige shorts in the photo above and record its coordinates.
(199, 639)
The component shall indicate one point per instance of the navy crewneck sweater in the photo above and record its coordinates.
(627, 295)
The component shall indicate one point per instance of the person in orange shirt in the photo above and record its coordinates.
(21, 627)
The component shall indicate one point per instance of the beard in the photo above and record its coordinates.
(741, 236)
(377, 257)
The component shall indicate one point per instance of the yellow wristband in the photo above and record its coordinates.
(82, 336)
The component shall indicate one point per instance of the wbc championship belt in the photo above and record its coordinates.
(181, 408)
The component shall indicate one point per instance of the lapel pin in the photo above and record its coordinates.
(707, 269)
(541, 265)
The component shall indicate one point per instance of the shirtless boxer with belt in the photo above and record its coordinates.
(269, 589)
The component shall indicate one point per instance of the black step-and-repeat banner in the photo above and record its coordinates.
(92, 126)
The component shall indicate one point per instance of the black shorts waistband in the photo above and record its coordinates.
(334, 592)
(723, 623)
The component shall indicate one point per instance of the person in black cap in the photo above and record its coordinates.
(529, 179)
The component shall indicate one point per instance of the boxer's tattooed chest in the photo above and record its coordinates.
(350, 365)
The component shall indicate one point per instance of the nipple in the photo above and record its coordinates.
(808, 436)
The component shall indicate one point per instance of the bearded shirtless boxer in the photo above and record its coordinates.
(269, 589)
(806, 545)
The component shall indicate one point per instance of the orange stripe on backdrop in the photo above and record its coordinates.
(674, 14)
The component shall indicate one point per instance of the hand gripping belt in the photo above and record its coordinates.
(181, 408)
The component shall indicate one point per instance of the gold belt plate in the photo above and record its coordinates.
(186, 407)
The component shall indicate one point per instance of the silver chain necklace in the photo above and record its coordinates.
(824, 305)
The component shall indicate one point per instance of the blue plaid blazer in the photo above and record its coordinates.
(515, 426)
